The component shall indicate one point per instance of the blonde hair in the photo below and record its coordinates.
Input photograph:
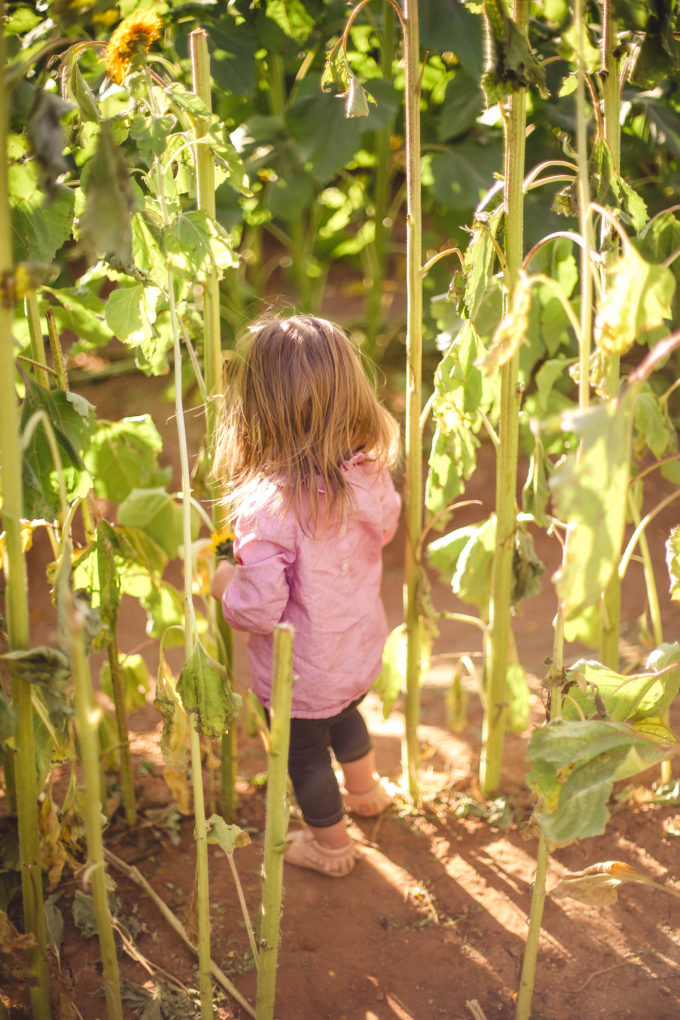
(299, 404)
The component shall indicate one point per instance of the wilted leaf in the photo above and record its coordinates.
(105, 225)
(598, 885)
(205, 689)
(638, 297)
(174, 736)
(227, 837)
(14, 952)
(47, 139)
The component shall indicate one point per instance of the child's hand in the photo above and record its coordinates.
(221, 579)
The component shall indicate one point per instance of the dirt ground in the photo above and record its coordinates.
(434, 916)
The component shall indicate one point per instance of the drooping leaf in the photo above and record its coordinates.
(458, 394)
(174, 737)
(590, 494)
(46, 135)
(511, 64)
(512, 329)
(392, 679)
(205, 689)
(105, 225)
(472, 578)
(638, 297)
(527, 568)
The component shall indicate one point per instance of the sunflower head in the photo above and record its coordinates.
(130, 43)
(222, 545)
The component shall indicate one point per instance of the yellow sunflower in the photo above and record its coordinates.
(130, 41)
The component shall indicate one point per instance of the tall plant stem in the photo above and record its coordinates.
(87, 718)
(610, 608)
(212, 368)
(526, 986)
(277, 820)
(25, 783)
(507, 453)
(200, 825)
(414, 347)
(377, 251)
(526, 989)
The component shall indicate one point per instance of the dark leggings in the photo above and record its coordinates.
(309, 761)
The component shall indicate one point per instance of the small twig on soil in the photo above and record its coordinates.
(135, 954)
(476, 1010)
(174, 922)
(614, 966)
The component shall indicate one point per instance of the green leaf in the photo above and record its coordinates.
(638, 297)
(463, 103)
(123, 455)
(197, 246)
(590, 494)
(443, 553)
(205, 688)
(456, 27)
(463, 174)
(39, 229)
(227, 837)
(574, 768)
(293, 18)
(158, 515)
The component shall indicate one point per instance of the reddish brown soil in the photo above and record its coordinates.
(435, 914)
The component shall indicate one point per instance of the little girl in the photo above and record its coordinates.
(305, 450)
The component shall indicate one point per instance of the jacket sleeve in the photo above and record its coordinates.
(258, 593)
(391, 508)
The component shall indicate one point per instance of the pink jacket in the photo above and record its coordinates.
(326, 584)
